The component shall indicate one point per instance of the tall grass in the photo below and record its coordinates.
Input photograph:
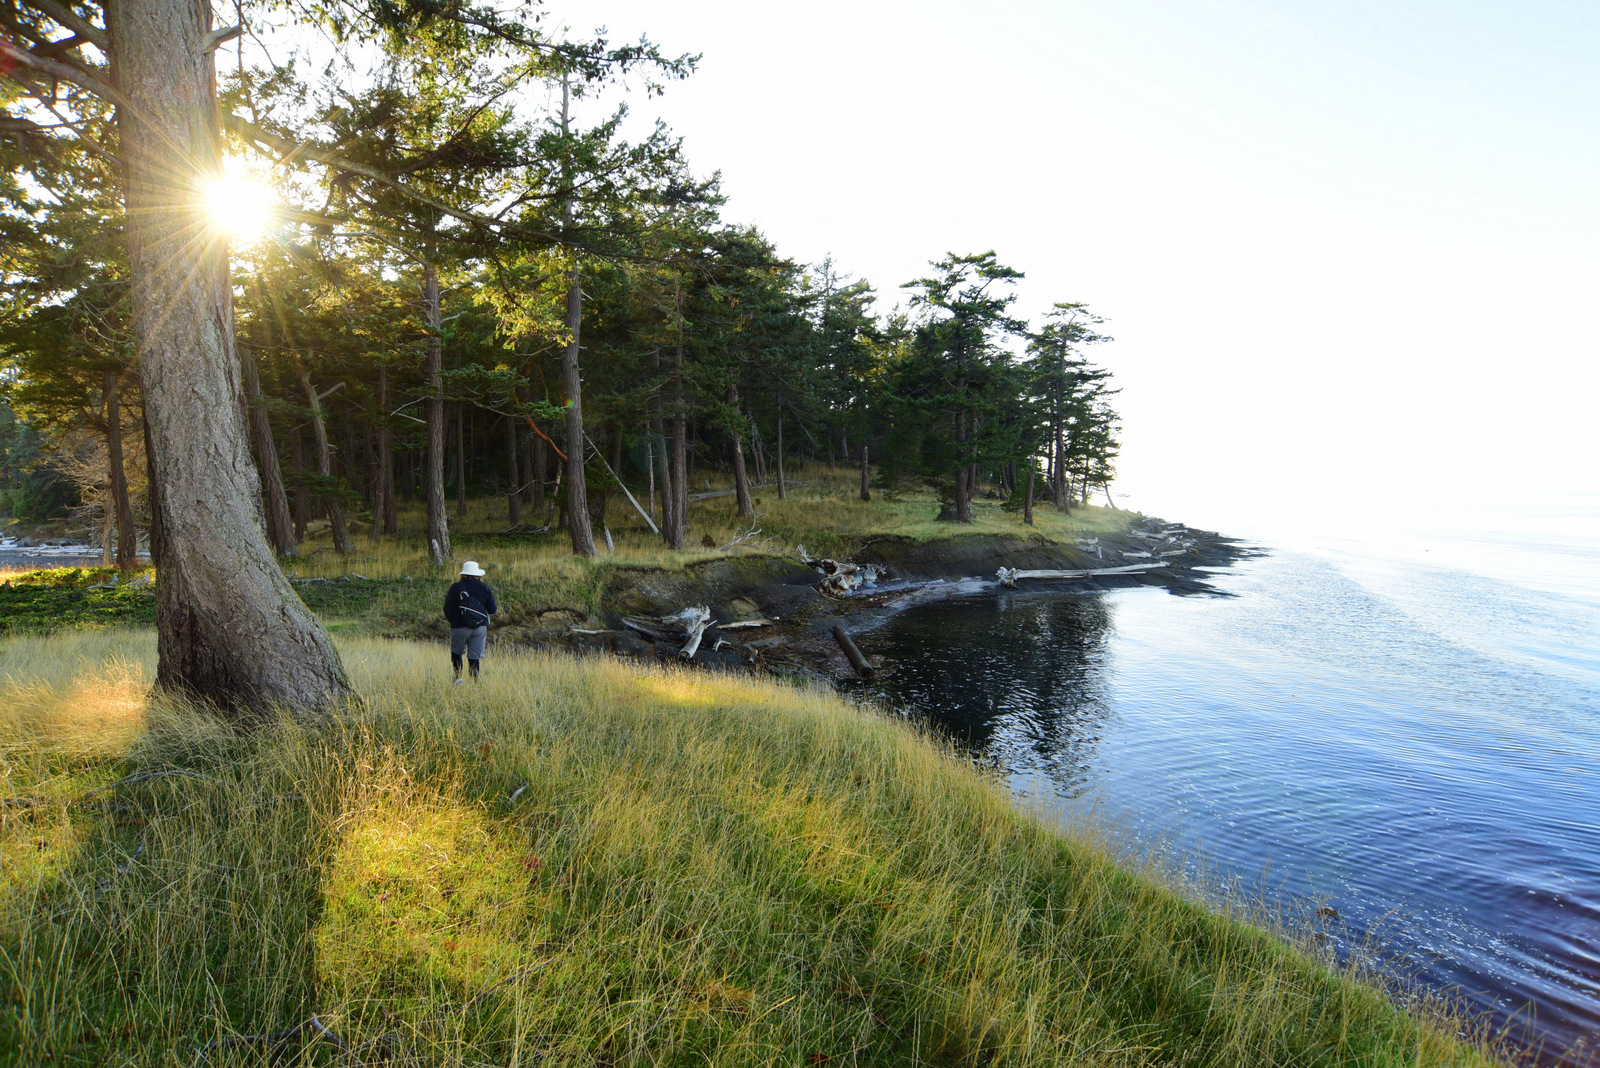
(582, 862)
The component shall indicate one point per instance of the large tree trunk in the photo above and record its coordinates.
(229, 626)
(274, 501)
(1027, 502)
(127, 539)
(438, 525)
(741, 483)
(514, 472)
(866, 492)
(331, 501)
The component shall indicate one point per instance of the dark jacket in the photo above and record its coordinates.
(468, 592)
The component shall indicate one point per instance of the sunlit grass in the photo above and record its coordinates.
(583, 862)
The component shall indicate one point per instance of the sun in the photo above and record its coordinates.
(240, 204)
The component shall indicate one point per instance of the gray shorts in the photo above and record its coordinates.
(468, 640)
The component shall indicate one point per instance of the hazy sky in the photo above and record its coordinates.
(1347, 251)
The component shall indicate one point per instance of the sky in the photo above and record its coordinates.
(1347, 251)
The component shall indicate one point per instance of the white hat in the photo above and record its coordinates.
(471, 568)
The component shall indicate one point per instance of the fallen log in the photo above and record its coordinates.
(699, 619)
(1008, 576)
(852, 654)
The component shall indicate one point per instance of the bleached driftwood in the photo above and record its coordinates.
(697, 631)
(685, 628)
(840, 577)
(746, 623)
(1141, 555)
(1008, 576)
(1173, 552)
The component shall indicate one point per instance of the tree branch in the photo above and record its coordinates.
(64, 15)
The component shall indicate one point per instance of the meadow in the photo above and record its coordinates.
(589, 862)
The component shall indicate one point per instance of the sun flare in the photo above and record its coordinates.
(239, 204)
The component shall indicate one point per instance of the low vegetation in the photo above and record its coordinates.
(583, 861)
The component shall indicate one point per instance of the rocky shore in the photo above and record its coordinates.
(776, 614)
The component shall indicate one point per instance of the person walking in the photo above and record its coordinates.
(467, 607)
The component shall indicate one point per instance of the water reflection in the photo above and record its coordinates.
(1030, 671)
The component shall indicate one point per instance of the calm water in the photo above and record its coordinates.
(1405, 728)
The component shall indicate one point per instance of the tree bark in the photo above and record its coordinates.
(229, 626)
(1027, 502)
(866, 492)
(741, 483)
(274, 501)
(437, 527)
(514, 471)
(127, 539)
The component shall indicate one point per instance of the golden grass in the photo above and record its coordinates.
(584, 862)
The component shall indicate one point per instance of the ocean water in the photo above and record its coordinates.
(1402, 725)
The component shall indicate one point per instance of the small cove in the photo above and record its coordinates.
(1413, 743)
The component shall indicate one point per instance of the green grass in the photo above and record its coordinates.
(583, 862)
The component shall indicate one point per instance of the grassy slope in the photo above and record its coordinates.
(583, 862)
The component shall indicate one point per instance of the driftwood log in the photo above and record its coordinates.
(1008, 576)
(852, 654)
(840, 577)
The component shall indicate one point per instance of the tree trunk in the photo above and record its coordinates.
(513, 470)
(302, 494)
(331, 502)
(783, 493)
(577, 495)
(229, 626)
(1027, 502)
(461, 460)
(678, 483)
(274, 501)
(741, 483)
(538, 474)
(866, 493)
(127, 539)
(758, 450)
(386, 513)
(572, 380)
(437, 527)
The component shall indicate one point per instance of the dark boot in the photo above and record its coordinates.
(472, 666)
(455, 662)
